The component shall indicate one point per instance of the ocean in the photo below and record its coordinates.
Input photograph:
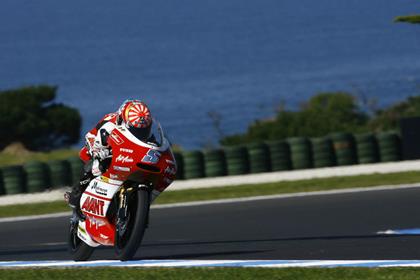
(202, 62)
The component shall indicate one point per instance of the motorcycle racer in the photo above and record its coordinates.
(135, 116)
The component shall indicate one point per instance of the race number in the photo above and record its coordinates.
(152, 156)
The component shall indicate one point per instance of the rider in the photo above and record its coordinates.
(135, 116)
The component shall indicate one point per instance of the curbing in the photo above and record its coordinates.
(294, 175)
(278, 264)
(269, 177)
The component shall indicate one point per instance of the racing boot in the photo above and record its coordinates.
(73, 197)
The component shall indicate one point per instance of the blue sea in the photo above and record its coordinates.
(200, 62)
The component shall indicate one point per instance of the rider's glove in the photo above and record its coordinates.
(96, 169)
(101, 153)
(100, 147)
(90, 141)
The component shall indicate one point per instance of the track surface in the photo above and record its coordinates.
(341, 226)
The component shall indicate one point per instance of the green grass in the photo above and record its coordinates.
(13, 159)
(33, 209)
(414, 19)
(290, 187)
(214, 273)
(238, 191)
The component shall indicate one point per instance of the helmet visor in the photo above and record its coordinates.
(143, 134)
(152, 135)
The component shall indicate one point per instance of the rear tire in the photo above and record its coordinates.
(127, 244)
(79, 250)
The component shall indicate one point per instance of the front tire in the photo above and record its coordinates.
(79, 250)
(127, 243)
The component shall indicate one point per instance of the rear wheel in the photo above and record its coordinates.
(79, 250)
(129, 234)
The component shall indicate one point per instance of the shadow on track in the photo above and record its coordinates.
(199, 255)
(307, 238)
(34, 251)
(63, 249)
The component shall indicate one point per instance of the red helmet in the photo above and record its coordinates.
(136, 117)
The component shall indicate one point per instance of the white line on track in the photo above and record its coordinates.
(404, 231)
(234, 200)
(215, 263)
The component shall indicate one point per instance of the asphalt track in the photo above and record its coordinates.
(340, 226)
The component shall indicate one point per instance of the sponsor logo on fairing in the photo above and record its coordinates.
(82, 229)
(117, 139)
(169, 170)
(124, 159)
(103, 236)
(170, 161)
(114, 176)
(81, 236)
(121, 168)
(124, 150)
(84, 182)
(99, 190)
(96, 222)
(94, 206)
(104, 179)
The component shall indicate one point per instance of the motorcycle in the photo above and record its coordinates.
(116, 204)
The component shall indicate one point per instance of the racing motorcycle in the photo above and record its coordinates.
(116, 204)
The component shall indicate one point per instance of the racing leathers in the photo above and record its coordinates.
(96, 156)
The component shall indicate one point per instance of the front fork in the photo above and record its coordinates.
(123, 214)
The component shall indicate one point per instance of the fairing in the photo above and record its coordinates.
(133, 162)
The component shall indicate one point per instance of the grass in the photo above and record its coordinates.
(33, 209)
(414, 19)
(214, 273)
(20, 158)
(238, 191)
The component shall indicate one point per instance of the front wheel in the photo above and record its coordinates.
(128, 235)
(79, 250)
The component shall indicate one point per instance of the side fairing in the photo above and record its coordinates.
(94, 204)
(98, 196)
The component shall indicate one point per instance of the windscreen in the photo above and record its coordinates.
(152, 135)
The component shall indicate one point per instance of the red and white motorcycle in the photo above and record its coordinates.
(116, 204)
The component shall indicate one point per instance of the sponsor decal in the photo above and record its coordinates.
(99, 190)
(103, 236)
(121, 168)
(84, 182)
(170, 161)
(94, 206)
(82, 229)
(96, 222)
(170, 170)
(124, 150)
(104, 179)
(80, 235)
(124, 159)
(152, 156)
(117, 139)
(114, 176)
